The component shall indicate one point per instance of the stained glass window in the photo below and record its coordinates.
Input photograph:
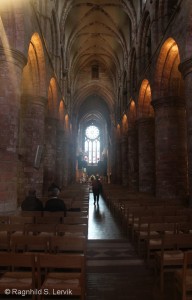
(92, 144)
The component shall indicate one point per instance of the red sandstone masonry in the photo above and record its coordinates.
(124, 149)
(133, 159)
(171, 152)
(146, 137)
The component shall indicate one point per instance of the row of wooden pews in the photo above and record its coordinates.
(161, 232)
(38, 275)
(43, 253)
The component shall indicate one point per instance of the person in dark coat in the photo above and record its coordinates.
(55, 203)
(97, 189)
(31, 202)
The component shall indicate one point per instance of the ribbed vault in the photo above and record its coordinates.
(96, 36)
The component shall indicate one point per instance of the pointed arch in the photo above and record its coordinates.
(34, 73)
(67, 123)
(52, 98)
(61, 114)
(124, 124)
(132, 114)
(145, 108)
(168, 80)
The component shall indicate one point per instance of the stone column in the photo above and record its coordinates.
(59, 157)
(133, 158)
(124, 170)
(32, 142)
(72, 160)
(113, 163)
(50, 152)
(186, 70)
(171, 147)
(66, 161)
(118, 162)
(146, 134)
(11, 66)
(108, 167)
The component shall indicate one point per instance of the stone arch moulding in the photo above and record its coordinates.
(132, 114)
(145, 108)
(168, 80)
(124, 125)
(32, 119)
(145, 41)
(34, 73)
(67, 123)
(52, 108)
(61, 113)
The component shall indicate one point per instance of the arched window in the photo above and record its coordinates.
(92, 144)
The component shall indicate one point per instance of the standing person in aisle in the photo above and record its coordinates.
(97, 189)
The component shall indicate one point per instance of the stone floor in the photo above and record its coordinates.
(101, 223)
(114, 270)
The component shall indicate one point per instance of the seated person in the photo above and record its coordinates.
(31, 202)
(55, 203)
(52, 187)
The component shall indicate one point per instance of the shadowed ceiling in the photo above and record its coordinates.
(96, 34)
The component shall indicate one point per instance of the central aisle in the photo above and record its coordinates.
(114, 271)
(101, 223)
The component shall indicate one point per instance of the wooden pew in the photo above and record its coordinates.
(61, 273)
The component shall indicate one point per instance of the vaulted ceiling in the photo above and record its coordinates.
(95, 33)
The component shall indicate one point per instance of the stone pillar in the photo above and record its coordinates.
(73, 155)
(124, 170)
(66, 161)
(186, 70)
(113, 163)
(171, 147)
(11, 66)
(72, 160)
(50, 152)
(60, 157)
(108, 167)
(146, 137)
(118, 162)
(133, 159)
(32, 142)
